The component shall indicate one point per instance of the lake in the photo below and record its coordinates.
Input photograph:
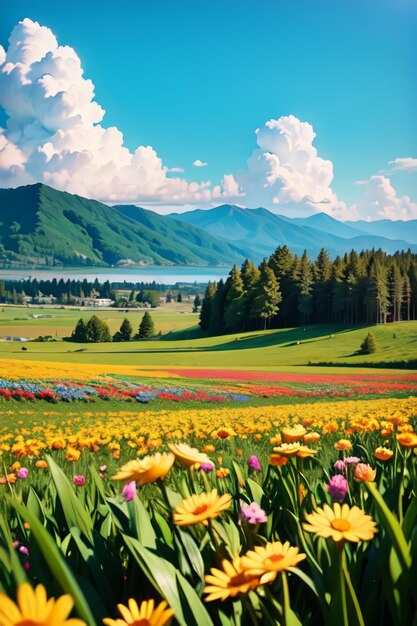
(164, 275)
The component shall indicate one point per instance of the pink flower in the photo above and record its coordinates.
(340, 466)
(23, 473)
(207, 467)
(79, 480)
(103, 468)
(253, 513)
(337, 488)
(129, 491)
(253, 463)
(352, 459)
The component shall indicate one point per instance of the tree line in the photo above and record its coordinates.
(97, 330)
(288, 290)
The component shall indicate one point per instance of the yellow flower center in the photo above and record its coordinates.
(28, 622)
(273, 562)
(340, 524)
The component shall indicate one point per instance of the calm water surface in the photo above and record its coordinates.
(164, 275)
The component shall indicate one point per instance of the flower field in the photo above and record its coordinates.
(33, 380)
(296, 514)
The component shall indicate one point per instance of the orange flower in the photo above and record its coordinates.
(305, 451)
(239, 452)
(386, 432)
(222, 472)
(407, 440)
(288, 449)
(275, 441)
(364, 473)
(311, 437)
(343, 444)
(41, 464)
(209, 448)
(277, 460)
(72, 454)
(291, 435)
(383, 454)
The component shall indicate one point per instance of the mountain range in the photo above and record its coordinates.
(39, 224)
(260, 231)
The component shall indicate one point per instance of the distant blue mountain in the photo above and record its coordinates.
(391, 229)
(259, 231)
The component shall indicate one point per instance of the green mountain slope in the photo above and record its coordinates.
(38, 222)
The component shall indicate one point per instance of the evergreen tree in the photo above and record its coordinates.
(79, 334)
(179, 296)
(97, 330)
(197, 304)
(233, 301)
(265, 305)
(205, 313)
(125, 332)
(305, 289)
(146, 327)
(368, 345)
(217, 309)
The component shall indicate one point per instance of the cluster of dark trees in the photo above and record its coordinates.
(96, 330)
(71, 292)
(287, 290)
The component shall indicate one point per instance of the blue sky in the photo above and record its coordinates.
(195, 79)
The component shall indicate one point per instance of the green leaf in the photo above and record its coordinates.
(75, 514)
(170, 584)
(55, 561)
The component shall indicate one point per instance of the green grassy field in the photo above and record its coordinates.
(263, 350)
(17, 321)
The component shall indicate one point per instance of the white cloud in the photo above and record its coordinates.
(405, 164)
(380, 201)
(54, 132)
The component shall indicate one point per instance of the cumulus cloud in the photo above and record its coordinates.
(285, 170)
(380, 201)
(405, 164)
(55, 134)
(54, 130)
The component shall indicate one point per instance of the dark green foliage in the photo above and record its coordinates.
(79, 334)
(368, 345)
(369, 287)
(125, 332)
(146, 327)
(97, 330)
(179, 296)
(149, 296)
(197, 303)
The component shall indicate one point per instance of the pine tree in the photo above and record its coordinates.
(217, 309)
(197, 304)
(179, 296)
(97, 330)
(233, 301)
(79, 334)
(265, 305)
(305, 289)
(368, 345)
(205, 313)
(146, 327)
(125, 332)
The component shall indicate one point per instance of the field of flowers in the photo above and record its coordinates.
(30, 381)
(297, 515)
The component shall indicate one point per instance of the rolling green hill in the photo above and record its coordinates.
(38, 223)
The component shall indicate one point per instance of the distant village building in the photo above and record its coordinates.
(98, 302)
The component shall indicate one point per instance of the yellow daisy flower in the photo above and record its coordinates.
(267, 561)
(34, 609)
(144, 615)
(199, 508)
(146, 470)
(190, 457)
(229, 582)
(341, 523)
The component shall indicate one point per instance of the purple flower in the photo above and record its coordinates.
(26, 565)
(340, 466)
(253, 463)
(337, 487)
(352, 459)
(16, 544)
(23, 473)
(207, 467)
(24, 550)
(129, 491)
(79, 480)
(253, 513)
